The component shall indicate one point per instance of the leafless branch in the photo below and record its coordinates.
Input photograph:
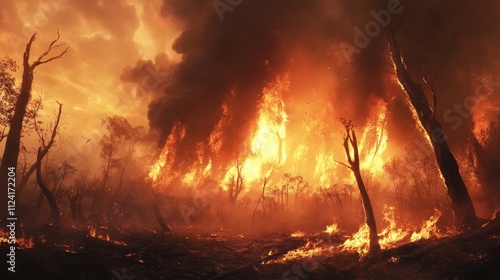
(341, 163)
(26, 55)
(53, 45)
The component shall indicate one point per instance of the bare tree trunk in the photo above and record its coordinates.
(54, 209)
(262, 196)
(350, 140)
(463, 209)
(11, 152)
(157, 212)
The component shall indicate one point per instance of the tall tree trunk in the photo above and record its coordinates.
(54, 209)
(157, 212)
(11, 152)
(463, 209)
(350, 140)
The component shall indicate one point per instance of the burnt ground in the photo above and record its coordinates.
(143, 254)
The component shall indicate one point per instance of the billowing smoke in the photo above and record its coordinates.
(240, 51)
(238, 47)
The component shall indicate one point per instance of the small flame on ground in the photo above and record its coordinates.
(392, 235)
(298, 234)
(331, 229)
(21, 243)
(429, 228)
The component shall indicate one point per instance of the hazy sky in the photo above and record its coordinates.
(104, 37)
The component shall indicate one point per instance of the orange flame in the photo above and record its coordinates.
(21, 242)
(391, 236)
(168, 153)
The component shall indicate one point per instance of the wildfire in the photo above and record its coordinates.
(21, 243)
(391, 236)
(168, 153)
(374, 141)
(311, 249)
(331, 229)
(94, 234)
(429, 228)
(269, 139)
(298, 234)
(485, 107)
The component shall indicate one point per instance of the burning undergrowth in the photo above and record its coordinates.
(333, 241)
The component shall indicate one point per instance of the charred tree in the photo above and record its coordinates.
(236, 184)
(263, 194)
(11, 152)
(54, 209)
(42, 152)
(353, 160)
(157, 212)
(463, 209)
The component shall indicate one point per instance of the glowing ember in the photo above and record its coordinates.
(298, 234)
(92, 232)
(311, 249)
(331, 229)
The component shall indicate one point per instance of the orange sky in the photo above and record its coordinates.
(104, 37)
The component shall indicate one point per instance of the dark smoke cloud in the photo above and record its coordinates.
(258, 40)
(242, 53)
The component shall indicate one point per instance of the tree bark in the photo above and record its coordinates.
(463, 209)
